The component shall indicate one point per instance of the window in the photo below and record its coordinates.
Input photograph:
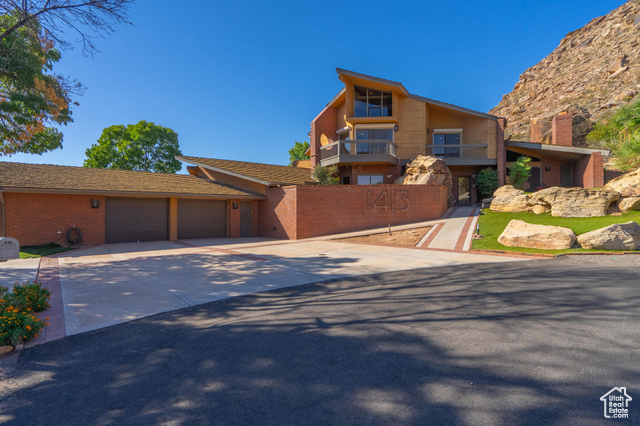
(444, 140)
(372, 103)
(370, 180)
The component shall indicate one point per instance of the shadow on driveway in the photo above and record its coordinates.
(524, 343)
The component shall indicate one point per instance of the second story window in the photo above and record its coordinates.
(372, 103)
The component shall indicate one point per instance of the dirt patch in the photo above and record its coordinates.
(407, 237)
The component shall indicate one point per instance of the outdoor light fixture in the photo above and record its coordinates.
(235, 206)
(95, 204)
(547, 168)
(396, 128)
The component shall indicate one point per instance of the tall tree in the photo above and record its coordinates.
(143, 147)
(298, 151)
(33, 100)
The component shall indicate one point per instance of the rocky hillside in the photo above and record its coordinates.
(594, 70)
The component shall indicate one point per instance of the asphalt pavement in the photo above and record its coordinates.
(531, 343)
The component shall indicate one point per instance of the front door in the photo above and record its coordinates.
(566, 177)
(464, 190)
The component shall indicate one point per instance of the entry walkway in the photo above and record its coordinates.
(455, 233)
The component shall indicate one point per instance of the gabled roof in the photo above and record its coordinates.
(416, 97)
(266, 174)
(49, 178)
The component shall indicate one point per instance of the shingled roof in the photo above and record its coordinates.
(267, 174)
(23, 177)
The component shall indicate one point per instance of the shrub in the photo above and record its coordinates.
(31, 295)
(520, 172)
(17, 308)
(326, 175)
(487, 182)
(17, 325)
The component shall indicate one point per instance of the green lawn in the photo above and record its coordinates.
(42, 250)
(492, 224)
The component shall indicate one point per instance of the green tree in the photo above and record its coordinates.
(298, 151)
(520, 172)
(33, 100)
(143, 147)
(620, 134)
(326, 175)
(487, 182)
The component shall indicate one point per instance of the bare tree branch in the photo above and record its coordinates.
(88, 18)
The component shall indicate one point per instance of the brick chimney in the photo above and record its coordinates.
(562, 129)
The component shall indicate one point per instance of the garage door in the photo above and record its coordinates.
(202, 218)
(136, 219)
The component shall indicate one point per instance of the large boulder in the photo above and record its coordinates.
(628, 185)
(574, 202)
(508, 199)
(627, 204)
(619, 236)
(427, 170)
(522, 234)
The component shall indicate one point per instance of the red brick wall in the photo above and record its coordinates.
(562, 130)
(234, 219)
(278, 213)
(255, 216)
(590, 171)
(308, 211)
(325, 122)
(501, 152)
(554, 176)
(36, 218)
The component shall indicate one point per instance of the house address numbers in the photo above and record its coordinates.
(388, 200)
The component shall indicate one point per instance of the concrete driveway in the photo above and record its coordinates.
(115, 283)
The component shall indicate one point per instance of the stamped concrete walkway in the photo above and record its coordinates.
(455, 232)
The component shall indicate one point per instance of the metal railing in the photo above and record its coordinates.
(458, 151)
(368, 147)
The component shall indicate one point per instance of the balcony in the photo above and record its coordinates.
(363, 151)
(462, 154)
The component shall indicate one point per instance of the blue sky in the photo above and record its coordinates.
(242, 80)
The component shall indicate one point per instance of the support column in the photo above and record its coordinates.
(173, 219)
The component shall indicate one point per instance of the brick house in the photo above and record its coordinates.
(373, 127)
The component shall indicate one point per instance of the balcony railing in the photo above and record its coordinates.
(461, 154)
(362, 151)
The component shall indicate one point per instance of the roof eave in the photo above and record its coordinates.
(249, 196)
(453, 107)
(354, 74)
(219, 170)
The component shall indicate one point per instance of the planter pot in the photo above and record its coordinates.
(5, 349)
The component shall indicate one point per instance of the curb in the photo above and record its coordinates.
(548, 255)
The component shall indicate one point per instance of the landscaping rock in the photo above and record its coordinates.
(628, 185)
(427, 170)
(627, 204)
(540, 209)
(508, 199)
(619, 236)
(574, 202)
(522, 234)
(5, 349)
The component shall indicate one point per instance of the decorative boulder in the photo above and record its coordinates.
(628, 185)
(427, 170)
(522, 234)
(540, 209)
(627, 204)
(574, 202)
(508, 199)
(619, 236)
